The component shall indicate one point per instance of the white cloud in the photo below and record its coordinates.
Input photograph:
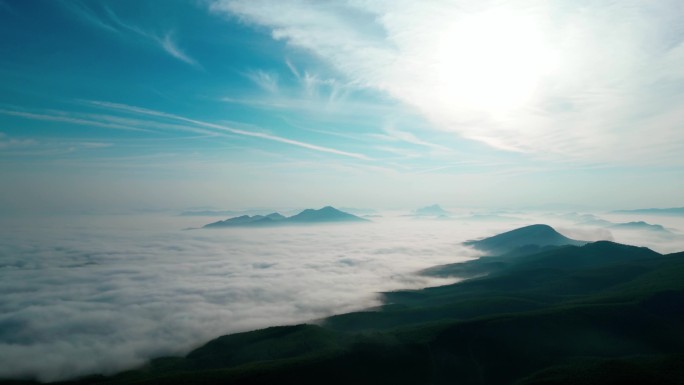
(60, 116)
(292, 68)
(7, 143)
(13, 146)
(108, 20)
(106, 294)
(590, 83)
(171, 47)
(266, 80)
(222, 129)
(196, 126)
(395, 134)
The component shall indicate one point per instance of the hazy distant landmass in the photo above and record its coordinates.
(206, 213)
(653, 211)
(432, 211)
(326, 214)
(600, 313)
(586, 219)
(221, 213)
(247, 220)
(534, 235)
(640, 225)
(592, 220)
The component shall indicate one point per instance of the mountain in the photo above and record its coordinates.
(592, 220)
(327, 214)
(602, 313)
(586, 219)
(664, 211)
(590, 255)
(640, 225)
(275, 216)
(246, 220)
(431, 211)
(534, 235)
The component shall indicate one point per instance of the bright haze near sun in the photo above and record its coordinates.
(490, 62)
(238, 104)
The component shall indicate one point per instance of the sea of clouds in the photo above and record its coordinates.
(100, 294)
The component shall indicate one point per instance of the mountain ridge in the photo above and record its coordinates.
(431, 211)
(653, 211)
(327, 214)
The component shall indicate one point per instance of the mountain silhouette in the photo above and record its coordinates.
(431, 211)
(640, 225)
(326, 214)
(666, 211)
(534, 235)
(246, 220)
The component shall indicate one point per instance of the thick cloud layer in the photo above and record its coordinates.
(103, 294)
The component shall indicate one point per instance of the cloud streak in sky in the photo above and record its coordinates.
(265, 80)
(107, 19)
(224, 129)
(170, 46)
(197, 126)
(55, 116)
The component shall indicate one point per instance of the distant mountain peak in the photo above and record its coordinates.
(653, 211)
(640, 225)
(434, 210)
(539, 235)
(327, 214)
(539, 228)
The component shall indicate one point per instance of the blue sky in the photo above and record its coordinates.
(114, 105)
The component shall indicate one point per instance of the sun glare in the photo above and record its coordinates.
(491, 62)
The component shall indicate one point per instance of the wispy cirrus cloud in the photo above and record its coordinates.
(150, 126)
(107, 19)
(12, 143)
(267, 81)
(225, 129)
(554, 80)
(12, 146)
(313, 83)
(394, 134)
(64, 117)
(170, 46)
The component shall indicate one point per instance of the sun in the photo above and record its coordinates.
(490, 62)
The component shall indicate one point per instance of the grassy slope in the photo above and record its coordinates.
(603, 313)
